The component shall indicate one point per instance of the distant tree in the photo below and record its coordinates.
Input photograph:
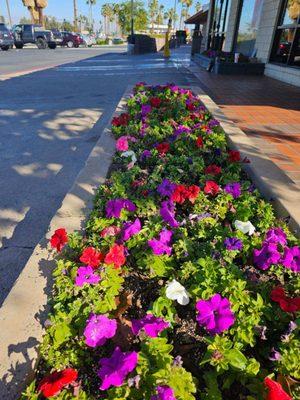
(108, 13)
(25, 20)
(67, 26)
(139, 15)
(170, 14)
(51, 22)
(84, 23)
(153, 8)
(91, 3)
(160, 15)
(198, 6)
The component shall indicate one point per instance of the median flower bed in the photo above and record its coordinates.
(185, 285)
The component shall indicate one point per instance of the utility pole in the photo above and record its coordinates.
(75, 16)
(8, 12)
(132, 20)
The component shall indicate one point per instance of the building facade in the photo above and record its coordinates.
(268, 30)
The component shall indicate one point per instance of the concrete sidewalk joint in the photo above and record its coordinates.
(273, 184)
(26, 307)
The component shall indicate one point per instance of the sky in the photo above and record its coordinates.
(61, 8)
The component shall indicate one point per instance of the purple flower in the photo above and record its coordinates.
(99, 328)
(114, 370)
(291, 258)
(115, 206)
(274, 355)
(215, 314)
(286, 336)
(276, 235)
(182, 129)
(212, 123)
(166, 188)
(234, 189)
(161, 246)
(266, 256)
(167, 213)
(130, 229)
(150, 324)
(233, 243)
(86, 275)
(164, 393)
(145, 154)
(146, 109)
(178, 361)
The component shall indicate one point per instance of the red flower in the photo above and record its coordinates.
(59, 239)
(234, 156)
(275, 390)
(199, 142)
(211, 187)
(163, 148)
(213, 170)
(287, 304)
(92, 257)
(180, 194)
(52, 385)
(116, 256)
(155, 102)
(192, 193)
(190, 106)
(122, 120)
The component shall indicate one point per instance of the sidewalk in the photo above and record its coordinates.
(267, 110)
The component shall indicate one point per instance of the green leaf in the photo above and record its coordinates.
(236, 358)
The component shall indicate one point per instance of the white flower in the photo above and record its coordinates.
(131, 154)
(245, 227)
(175, 291)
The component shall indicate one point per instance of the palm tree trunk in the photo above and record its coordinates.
(8, 12)
(75, 15)
(175, 11)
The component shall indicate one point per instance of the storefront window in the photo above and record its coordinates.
(248, 25)
(286, 47)
(219, 24)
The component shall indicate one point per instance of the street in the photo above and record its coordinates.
(49, 122)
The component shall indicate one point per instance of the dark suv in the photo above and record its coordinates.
(27, 33)
(6, 37)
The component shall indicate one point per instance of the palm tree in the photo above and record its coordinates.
(8, 12)
(198, 6)
(160, 15)
(91, 3)
(188, 4)
(75, 15)
(106, 12)
(116, 12)
(170, 14)
(153, 11)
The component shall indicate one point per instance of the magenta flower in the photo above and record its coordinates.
(86, 275)
(166, 188)
(291, 258)
(98, 329)
(167, 212)
(233, 243)
(276, 235)
(150, 324)
(122, 143)
(130, 229)
(161, 246)
(164, 393)
(266, 256)
(146, 109)
(114, 370)
(215, 314)
(115, 206)
(234, 189)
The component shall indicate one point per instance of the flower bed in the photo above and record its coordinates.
(185, 284)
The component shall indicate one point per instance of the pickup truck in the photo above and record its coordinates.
(6, 37)
(28, 33)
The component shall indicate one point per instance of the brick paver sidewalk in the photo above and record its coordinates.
(265, 109)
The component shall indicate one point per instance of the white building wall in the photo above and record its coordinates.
(232, 17)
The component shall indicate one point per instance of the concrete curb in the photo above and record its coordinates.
(25, 309)
(273, 184)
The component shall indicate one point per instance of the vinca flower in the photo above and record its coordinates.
(98, 329)
(245, 227)
(215, 314)
(150, 324)
(86, 275)
(114, 370)
(175, 291)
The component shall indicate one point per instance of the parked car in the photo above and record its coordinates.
(6, 37)
(70, 39)
(29, 33)
(58, 37)
(88, 40)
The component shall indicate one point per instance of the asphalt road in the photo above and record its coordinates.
(49, 123)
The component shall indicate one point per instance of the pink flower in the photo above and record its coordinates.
(150, 324)
(110, 231)
(114, 370)
(122, 144)
(99, 328)
(164, 393)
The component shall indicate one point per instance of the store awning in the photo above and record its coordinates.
(199, 18)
